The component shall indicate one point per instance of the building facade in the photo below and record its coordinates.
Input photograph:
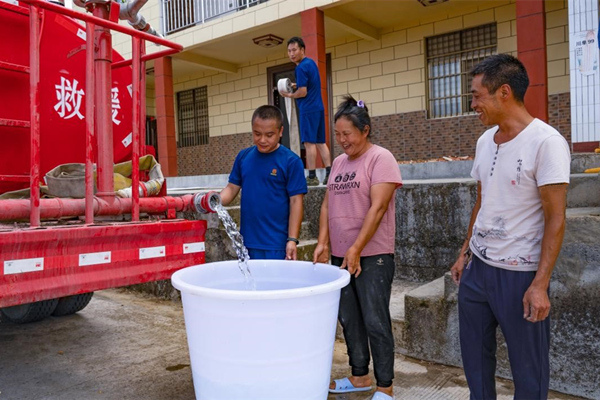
(408, 60)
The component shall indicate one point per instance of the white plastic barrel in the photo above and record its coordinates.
(272, 343)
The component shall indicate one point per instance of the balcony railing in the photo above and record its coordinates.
(181, 14)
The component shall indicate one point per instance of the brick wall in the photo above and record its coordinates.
(216, 157)
(559, 114)
(411, 136)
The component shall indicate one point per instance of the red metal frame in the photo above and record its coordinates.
(34, 95)
(56, 269)
(100, 74)
(50, 261)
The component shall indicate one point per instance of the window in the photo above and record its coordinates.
(450, 57)
(192, 113)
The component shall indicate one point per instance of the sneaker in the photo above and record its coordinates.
(326, 180)
(312, 181)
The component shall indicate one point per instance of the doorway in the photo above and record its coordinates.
(275, 74)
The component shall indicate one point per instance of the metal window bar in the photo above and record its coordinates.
(192, 118)
(450, 57)
(181, 14)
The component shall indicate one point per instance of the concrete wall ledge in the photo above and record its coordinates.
(431, 312)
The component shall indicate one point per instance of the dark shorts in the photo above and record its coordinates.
(312, 127)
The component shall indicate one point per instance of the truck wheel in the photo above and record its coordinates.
(71, 304)
(31, 312)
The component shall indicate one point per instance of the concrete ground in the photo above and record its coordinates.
(127, 345)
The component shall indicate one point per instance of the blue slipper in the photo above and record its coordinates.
(345, 386)
(381, 396)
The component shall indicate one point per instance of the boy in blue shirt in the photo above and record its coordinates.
(272, 179)
(311, 113)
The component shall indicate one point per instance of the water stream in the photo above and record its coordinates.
(238, 244)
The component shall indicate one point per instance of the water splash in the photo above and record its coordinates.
(238, 244)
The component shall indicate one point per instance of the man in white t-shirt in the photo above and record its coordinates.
(522, 168)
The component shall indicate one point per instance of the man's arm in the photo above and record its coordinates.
(459, 264)
(229, 193)
(301, 92)
(294, 223)
(536, 304)
(321, 253)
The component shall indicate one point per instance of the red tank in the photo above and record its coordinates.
(52, 265)
(62, 93)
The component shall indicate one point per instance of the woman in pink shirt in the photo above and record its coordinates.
(357, 223)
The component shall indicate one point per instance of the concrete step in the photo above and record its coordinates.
(306, 249)
(431, 329)
(427, 311)
(582, 161)
(305, 231)
(583, 191)
(400, 288)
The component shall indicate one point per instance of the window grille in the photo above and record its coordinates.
(450, 57)
(192, 113)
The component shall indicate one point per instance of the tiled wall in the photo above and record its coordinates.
(232, 98)
(389, 75)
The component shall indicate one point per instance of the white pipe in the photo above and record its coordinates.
(130, 12)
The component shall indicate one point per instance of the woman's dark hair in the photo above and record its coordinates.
(355, 112)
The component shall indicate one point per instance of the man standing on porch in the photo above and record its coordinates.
(310, 109)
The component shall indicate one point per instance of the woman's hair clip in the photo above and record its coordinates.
(360, 104)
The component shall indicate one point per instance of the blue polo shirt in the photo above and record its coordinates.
(307, 75)
(268, 180)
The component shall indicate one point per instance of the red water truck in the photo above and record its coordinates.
(67, 97)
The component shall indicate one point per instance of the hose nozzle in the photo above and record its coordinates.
(206, 203)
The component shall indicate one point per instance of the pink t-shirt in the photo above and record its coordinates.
(349, 191)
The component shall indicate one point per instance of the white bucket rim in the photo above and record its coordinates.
(184, 287)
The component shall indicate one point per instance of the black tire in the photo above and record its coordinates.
(31, 312)
(71, 304)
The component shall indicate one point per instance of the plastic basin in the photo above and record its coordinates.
(272, 343)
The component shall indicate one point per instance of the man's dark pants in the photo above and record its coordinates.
(488, 297)
(365, 316)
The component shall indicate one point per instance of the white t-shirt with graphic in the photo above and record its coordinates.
(509, 227)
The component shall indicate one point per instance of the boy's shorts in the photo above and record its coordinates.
(312, 127)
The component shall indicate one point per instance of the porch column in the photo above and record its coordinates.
(531, 49)
(313, 34)
(165, 116)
